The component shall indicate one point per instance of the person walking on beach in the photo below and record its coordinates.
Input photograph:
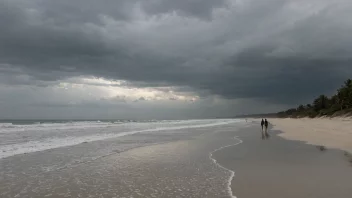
(266, 123)
(262, 124)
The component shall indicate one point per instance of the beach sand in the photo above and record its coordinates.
(332, 133)
(278, 168)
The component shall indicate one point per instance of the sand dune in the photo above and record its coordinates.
(329, 132)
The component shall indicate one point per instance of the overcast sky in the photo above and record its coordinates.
(146, 59)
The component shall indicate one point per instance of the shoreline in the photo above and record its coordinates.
(232, 172)
(182, 167)
(212, 162)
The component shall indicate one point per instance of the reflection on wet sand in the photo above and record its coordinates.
(348, 156)
(321, 148)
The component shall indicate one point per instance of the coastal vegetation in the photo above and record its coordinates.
(337, 105)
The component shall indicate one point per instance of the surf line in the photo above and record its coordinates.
(229, 190)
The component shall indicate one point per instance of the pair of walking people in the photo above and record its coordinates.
(265, 125)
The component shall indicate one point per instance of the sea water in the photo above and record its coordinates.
(115, 158)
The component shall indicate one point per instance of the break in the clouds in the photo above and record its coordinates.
(167, 58)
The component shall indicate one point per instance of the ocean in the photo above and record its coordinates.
(25, 136)
(114, 158)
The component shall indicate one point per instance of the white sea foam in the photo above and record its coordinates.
(232, 173)
(20, 139)
(9, 127)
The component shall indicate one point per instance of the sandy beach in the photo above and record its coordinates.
(199, 159)
(278, 168)
(329, 132)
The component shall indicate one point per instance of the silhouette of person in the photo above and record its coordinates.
(262, 124)
(266, 123)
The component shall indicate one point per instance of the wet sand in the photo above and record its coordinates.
(279, 168)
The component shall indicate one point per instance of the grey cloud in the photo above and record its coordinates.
(195, 8)
(83, 11)
(276, 51)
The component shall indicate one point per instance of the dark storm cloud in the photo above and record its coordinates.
(278, 51)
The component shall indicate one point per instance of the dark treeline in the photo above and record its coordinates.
(338, 104)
